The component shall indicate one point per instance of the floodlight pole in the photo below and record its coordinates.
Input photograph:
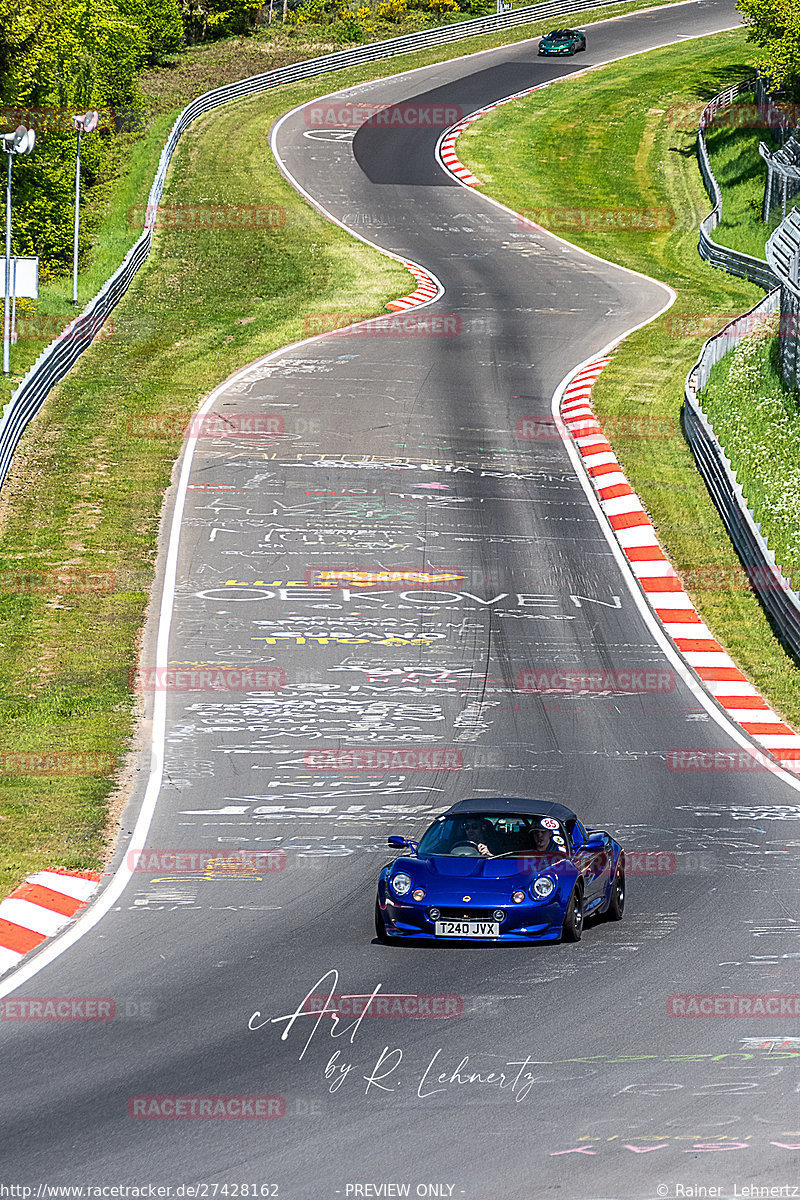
(6, 305)
(21, 141)
(84, 123)
(77, 214)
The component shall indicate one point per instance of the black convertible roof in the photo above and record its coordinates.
(512, 804)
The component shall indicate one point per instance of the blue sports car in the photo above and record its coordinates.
(501, 870)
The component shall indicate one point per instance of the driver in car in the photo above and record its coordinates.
(542, 841)
(478, 831)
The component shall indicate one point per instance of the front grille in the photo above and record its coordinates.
(466, 913)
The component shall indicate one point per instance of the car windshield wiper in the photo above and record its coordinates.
(524, 854)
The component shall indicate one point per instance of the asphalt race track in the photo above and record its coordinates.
(402, 452)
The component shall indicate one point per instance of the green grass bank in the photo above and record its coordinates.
(624, 138)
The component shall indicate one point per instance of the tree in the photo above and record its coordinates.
(774, 26)
(58, 58)
(205, 20)
(162, 22)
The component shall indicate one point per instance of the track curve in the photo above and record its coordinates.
(402, 451)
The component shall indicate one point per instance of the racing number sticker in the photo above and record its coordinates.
(549, 823)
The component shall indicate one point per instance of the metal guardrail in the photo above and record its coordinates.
(768, 581)
(59, 357)
(732, 261)
(773, 589)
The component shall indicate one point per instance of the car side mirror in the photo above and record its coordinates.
(596, 841)
(401, 843)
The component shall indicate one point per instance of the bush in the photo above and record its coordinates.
(354, 26)
(206, 20)
(162, 23)
(392, 10)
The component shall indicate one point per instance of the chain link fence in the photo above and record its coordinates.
(779, 273)
(732, 261)
(783, 255)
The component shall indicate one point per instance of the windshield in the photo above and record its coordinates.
(475, 835)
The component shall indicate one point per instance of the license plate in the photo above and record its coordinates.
(468, 929)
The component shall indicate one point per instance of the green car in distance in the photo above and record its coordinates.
(562, 41)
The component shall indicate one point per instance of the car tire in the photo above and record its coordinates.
(380, 926)
(616, 905)
(572, 928)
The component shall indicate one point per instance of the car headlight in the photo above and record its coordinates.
(401, 884)
(542, 888)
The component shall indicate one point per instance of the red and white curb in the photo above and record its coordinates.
(425, 291)
(660, 582)
(446, 146)
(40, 907)
(447, 153)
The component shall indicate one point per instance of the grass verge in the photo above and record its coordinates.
(623, 154)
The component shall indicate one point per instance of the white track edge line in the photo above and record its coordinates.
(17, 976)
(652, 621)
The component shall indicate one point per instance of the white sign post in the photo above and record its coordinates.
(24, 283)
